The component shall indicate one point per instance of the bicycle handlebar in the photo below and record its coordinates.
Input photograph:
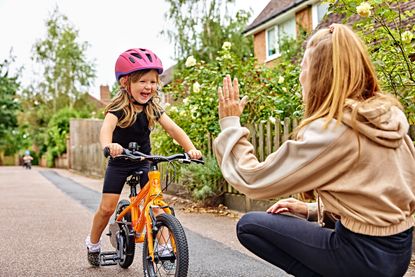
(138, 156)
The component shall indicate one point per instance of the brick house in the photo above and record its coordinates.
(286, 17)
(282, 18)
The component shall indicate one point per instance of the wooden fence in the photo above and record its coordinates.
(84, 151)
(266, 137)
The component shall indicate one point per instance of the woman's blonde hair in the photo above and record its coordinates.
(338, 67)
(121, 101)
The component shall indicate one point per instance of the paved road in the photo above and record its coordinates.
(47, 213)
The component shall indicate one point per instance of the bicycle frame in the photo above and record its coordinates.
(153, 198)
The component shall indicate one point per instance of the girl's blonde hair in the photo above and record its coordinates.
(338, 67)
(121, 101)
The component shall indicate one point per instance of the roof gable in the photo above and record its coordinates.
(272, 10)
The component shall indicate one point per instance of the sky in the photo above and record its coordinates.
(106, 25)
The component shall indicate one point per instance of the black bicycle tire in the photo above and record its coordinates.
(129, 247)
(122, 204)
(182, 250)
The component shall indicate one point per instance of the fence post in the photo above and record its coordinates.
(269, 143)
(277, 132)
(261, 141)
(287, 129)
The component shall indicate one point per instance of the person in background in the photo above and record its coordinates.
(27, 160)
(351, 148)
(130, 117)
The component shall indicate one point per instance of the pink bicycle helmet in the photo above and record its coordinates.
(136, 59)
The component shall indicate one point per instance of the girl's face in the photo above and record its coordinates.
(303, 74)
(145, 87)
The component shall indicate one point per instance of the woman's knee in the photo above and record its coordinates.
(247, 220)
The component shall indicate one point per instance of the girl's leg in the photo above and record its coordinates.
(114, 180)
(102, 216)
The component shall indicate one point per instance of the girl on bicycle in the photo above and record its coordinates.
(130, 117)
(352, 148)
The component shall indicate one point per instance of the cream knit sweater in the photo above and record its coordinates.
(373, 193)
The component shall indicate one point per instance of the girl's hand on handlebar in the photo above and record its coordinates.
(115, 149)
(290, 205)
(194, 154)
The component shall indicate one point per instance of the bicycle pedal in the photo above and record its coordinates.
(108, 258)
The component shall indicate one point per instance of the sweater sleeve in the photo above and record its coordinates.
(297, 166)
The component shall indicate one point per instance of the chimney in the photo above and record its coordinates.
(105, 94)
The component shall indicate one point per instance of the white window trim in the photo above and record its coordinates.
(277, 54)
(314, 14)
(288, 16)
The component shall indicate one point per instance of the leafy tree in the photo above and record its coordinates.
(63, 82)
(386, 29)
(9, 106)
(57, 133)
(273, 92)
(66, 71)
(200, 28)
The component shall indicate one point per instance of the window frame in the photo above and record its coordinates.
(277, 28)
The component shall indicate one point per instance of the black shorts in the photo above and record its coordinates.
(118, 171)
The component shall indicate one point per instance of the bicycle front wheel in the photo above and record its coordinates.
(171, 253)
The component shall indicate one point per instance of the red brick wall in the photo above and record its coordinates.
(260, 47)
(303, 18)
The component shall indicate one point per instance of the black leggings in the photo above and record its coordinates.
(303, 248)
(118, 171)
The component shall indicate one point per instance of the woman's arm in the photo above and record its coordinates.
(105, 136)
(318, 157)
(179, 135)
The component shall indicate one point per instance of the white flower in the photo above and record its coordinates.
(190, 61)
(193, 109)
(173, 109)
(407, 37)
(226, 45)
(281, 80)
(364, 9)
(196, 87)
(284, 89)
(227, 56)
(166, 105)
(185, 101)
(272, 119)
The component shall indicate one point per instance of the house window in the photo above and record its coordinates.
(318, 11)
(276, 34)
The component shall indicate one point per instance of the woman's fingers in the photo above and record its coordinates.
(226, 88)
(243, 102)
(235, 88)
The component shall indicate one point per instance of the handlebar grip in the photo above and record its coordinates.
(199, 161)
(106, 152)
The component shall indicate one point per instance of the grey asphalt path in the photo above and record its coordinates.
(47, 214)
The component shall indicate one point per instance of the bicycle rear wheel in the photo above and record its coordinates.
(125, 237)
(171, 253)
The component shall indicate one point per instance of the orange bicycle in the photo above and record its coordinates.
(147, 218)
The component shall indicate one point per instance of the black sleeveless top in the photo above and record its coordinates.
(138, 132)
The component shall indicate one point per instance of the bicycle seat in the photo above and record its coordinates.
(138, 173)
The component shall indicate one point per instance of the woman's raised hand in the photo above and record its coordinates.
(229, 103)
